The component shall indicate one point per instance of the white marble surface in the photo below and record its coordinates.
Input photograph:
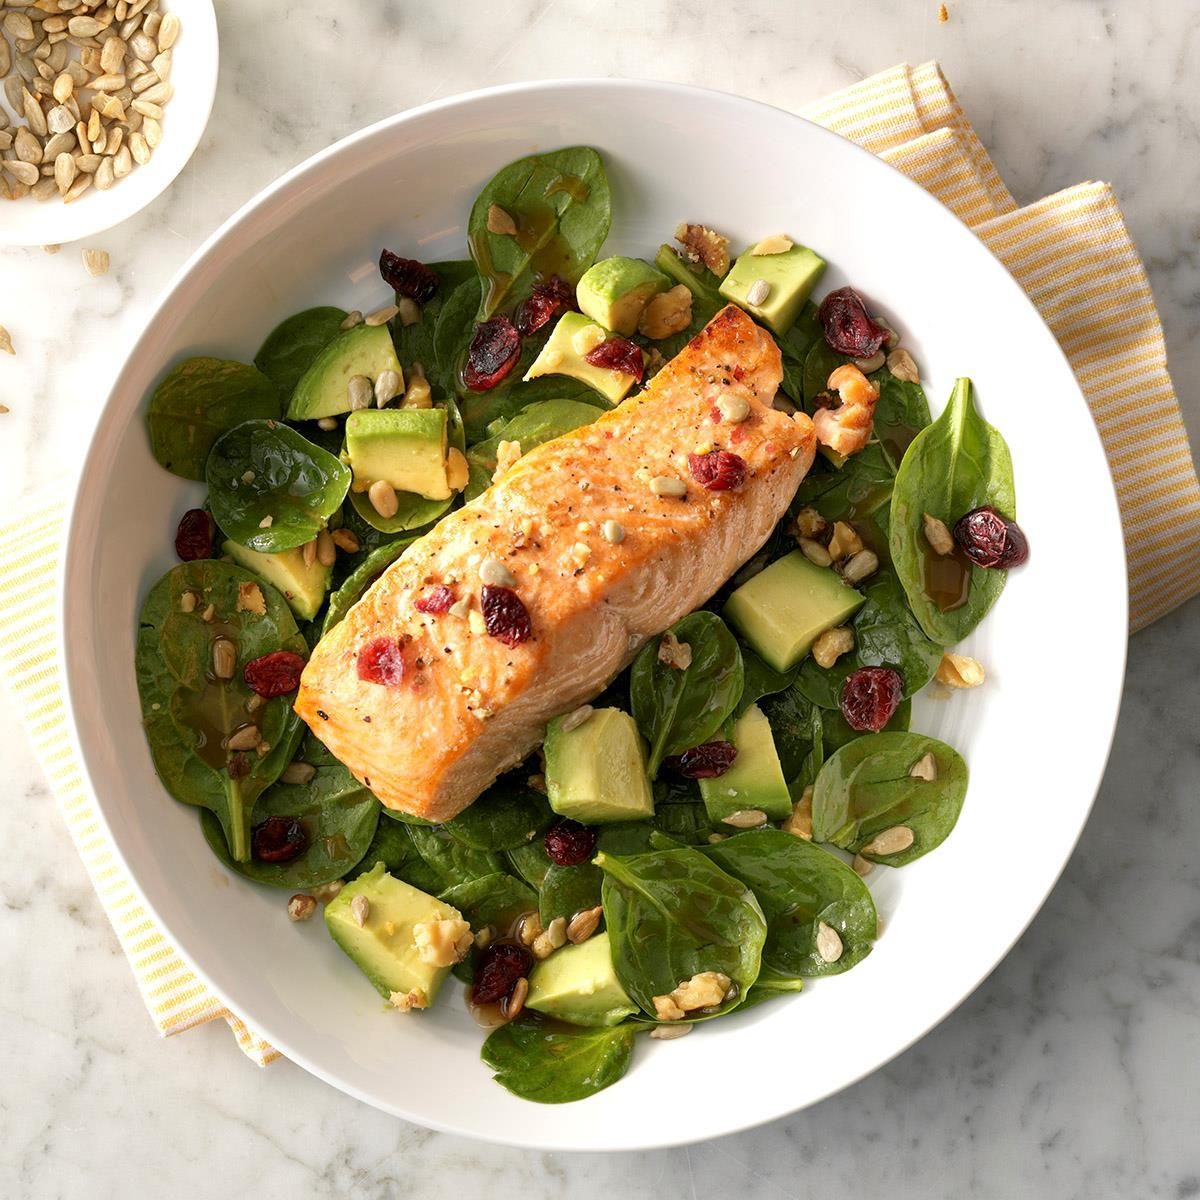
(1074, 1072)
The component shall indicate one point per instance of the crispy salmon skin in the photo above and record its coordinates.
(463, 706)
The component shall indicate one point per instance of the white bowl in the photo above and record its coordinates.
(30, 222)
(1036, 735)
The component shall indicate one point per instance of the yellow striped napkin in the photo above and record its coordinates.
(1071, 253)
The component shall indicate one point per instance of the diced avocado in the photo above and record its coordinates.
(564, 353)
(787, 606)
(384, 947)
(755, 780)
(596, 772)
(302, 586)
(790, 276)
(578, 984)
(406, 447)
(615, 290)
(323, 390)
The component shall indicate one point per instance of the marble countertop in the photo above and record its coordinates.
(1073, 1072)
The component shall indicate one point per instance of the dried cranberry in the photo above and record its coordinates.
(548, 298)
(492, 354)
(618, 354)
(278, 840)
(848, 328)
(505, 616)
(706, 761)
(870, 697)
(194, 537)
(991, 540)
(497, 969)
(437, 600)
(274, 674)
(381, 661)
(718, 470)
(408, 277)
(568, 843)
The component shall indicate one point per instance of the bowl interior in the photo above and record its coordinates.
(1036, 751)
(194, 74)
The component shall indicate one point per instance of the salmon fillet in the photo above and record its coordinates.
(470, 707)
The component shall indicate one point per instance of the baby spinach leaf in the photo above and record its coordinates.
(509, 814)
(955, 465)
(675, 709)
(855, 490)
(867, 787)
(360, 579)
(271, 489)
(819, 363)
(491, 900)
(450, 859)
(415, 343)
(453, 330)
(568, 890)
(483, 410)
(554, 1064)
(531, 862)
(901, 412)
(293, 344)
(679, 813)
(799, 887)
(561, 204)
(197, 401)
(707, 300)
(672, 914)
(885, 634)
(338, 814)
(760, 679)
(536, 424)
(188, 713)
(392, 846)
(414, 511)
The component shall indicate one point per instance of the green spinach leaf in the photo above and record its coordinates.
(271, 489)
(561, 204)
(760, 679)
(867, 787)
(568, 890)
(392, 846)
(452, 861)
(509, 814)
(800, 887)
(188, 713)
(485, 412)
(531, 862)
(955, 465)
(338, 814)
(672, 914)
(554, 1064)
(293, 344)
(491, 900)
(675, 709)
(196, 402)
(360, 579)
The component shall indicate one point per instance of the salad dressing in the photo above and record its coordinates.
(947, 578)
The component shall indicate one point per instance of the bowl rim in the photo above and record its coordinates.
(71, 556)
(202, 18)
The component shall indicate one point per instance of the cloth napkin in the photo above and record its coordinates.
(1070, 252)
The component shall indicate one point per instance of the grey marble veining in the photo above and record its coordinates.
(1074, 1071)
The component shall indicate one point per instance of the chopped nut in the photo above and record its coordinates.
(703, 245)
(529, 929)
(673, 653)
(250, 599)
(410, 311)
(500, 221)
(862, 866)
(613, 532)
(383, 499)
(457, 469)
(553, 938)
(507, 454)
(667, 313)
(668, 1033)
(666, 1009)
(668, 486)
(758, 292)
(777, 243)
(405, 1001)
(187, 602)
(924, 768)
(418, 394)
(831, 645)
(484, 937)
(815, 552)
(461, 608)
(867, 365)
(705, 990)
(515, 1001)
(246, 738)
(903, 366)
(862, 566)
(583, 924)
(800, 823)
(442, 943)
(829, 943)
(845, 541)
(494, 573)
(746, 818)
(940, 539)
(809, 523)
(297, 772)
(360, 910)
(301, 907)
(346, 539)
(266, 522)
(959, 671)
(587, 339)
(327, 891)
(573, 720)
(890, 841)
(381, 316)
(224, 657)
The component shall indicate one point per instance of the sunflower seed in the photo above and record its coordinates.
(44, 188)
(19, 25)
(139, 148)
(84, 27)
(381, 316)
(829, 943)
(96, 261)
(77, 189)
(6, 345)
(143, 82)
(669, 1033)
(359, 392)
(347, 540)
(168, 31)
(583, 924)
(891, 841)
(300, 907)
(352, 318)
(383, 499)
(34, 114)
(746, 818)
(122, 162)
(28, 148)
(494, 573)
(60, 143)
(87, 163)
(162, 64)
(298, 772)
(153, 131)
(224, 658)
(326, 550)
(147, 109)
(360, 910)
(515, 1002)
(668, 485)
(387, 387)
(64, 172)
(112, 56)
(246, 738)
(758, 292)
(105, 178)
(143, 46)
(23, 172)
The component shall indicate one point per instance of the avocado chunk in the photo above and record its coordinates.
(405, 447)
(385, 946)
(787, 606)
(790, 277)
(615, 290)
(322, 391)
(578, 984)
(565, 351)
(302, 586)
(755, 780)
(596, 772)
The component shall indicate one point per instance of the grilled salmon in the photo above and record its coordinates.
(456, 706)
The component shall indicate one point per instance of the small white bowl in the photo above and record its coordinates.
(29, 222)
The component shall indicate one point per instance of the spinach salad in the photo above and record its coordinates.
(698, 839)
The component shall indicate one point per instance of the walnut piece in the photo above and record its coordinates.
(705, 990)
(442, 943)
(406, 1001)
(673, 653)
(667, 313)
(703, 245)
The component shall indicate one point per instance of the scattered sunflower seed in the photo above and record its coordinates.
(360, 910)
(829, 943)
(6, 341)
(381, 316)
(573, 720)
(96, 262)
(495, 574)
(301, 907)
(891, 841)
